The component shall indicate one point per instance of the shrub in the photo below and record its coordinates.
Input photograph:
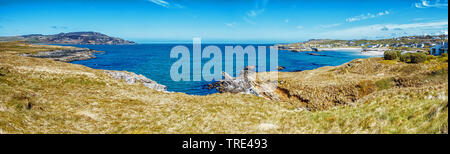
(431, 57)
(405, 57)
(444, 57)
(392, 55)
(441, 69)
(413, 58)
(418, 58)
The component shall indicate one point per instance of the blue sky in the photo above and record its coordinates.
(228, 20)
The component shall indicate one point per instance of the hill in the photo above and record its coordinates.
(69, 38)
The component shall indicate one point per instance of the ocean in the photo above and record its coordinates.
(154, 62)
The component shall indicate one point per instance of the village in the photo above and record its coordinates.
(434, 45)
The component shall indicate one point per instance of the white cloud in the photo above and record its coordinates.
(330, 25)
(286, 20)
(432, 4)
(160, 3)
(166, 4)
(367, 16)
(299, 27)
(387, 30)
(260, 7)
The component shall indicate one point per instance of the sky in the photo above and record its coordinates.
(227, 20)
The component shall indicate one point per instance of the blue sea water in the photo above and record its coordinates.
(154, 62)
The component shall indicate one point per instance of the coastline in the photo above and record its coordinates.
(224, 67)
(372, 52)
(36, 91)
(341, 49)
(68, 54)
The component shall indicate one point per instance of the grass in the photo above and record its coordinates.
(25, 48)
(384, 84)
(45, 96)
(389, 62)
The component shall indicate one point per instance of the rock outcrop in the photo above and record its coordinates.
(247, 83)
(315, 54)
(297, 48)
(132, 78)
(66, 55)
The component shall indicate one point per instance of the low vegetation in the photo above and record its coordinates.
(392, 55)
(25, 48)
(363, 96)
(413, 58)
(408, 57)
(384, 84)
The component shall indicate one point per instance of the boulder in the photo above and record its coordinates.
(132, 78)
(246, 83)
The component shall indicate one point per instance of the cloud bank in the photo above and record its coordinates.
(432, 4)
(166, 4)
(367, 16)
(389, 30)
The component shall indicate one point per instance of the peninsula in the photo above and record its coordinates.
(69, 38)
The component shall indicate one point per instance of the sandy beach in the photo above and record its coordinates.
(342, 49)
(359, 50)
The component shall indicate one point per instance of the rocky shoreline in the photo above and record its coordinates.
(74, 54)
(297, 49)
(66, 55)
(42, 96)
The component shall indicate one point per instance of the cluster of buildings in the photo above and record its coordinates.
(436, 45)
(433, 48)
(397, 45)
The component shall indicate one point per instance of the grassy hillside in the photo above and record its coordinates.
(45, 96)
(25, 48)
(327, 87)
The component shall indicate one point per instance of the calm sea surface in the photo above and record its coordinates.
(154, 62)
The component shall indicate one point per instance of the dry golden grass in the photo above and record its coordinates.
(327, 87)
(25, 48)
(45, 96)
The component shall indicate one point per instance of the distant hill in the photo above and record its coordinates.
(69, 38)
